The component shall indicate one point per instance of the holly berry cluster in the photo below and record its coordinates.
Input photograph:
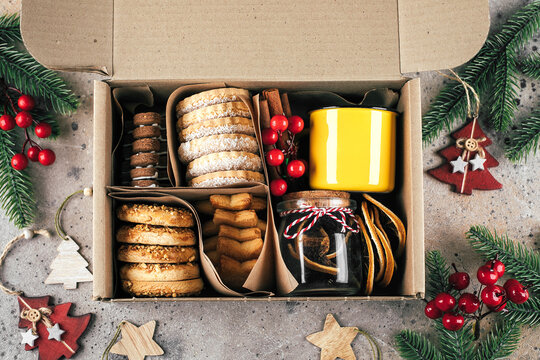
(469, 305)
(23, 119)
(284, 151)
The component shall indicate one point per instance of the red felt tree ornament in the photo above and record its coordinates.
(468, 161)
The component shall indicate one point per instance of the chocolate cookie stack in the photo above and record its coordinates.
(158, 251)
(148, 149)
(217, 139)
(233, 238)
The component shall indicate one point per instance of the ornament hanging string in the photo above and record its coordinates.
(57, 218)
(105, 355)
(469, 144)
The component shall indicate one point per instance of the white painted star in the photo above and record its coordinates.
(458, 165)
(28, 338)
(55, 332)
(477, 162)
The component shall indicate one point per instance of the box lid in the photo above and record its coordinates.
(248, 40)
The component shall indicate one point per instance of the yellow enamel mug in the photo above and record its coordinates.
(352, 149)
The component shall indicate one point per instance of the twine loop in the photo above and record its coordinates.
(37, 315)
(339, 214)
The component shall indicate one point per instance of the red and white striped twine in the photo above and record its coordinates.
(316, 213)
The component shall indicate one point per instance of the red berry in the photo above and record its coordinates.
(511, 282)
(275, 157)
(43, 130)
(445, 302)
(468, 303)
(279, 123)
(432, 311)
(497, 265)
(46, 157)
(296, 124)
(296, 169)
(26, 102)
(33, 153)
(269, 137)
(486, 275)
(19, 161)
(7, 122)
(517, 294)
(459, 280)
(493, 295)
(498, 308)
(23, 119)
(453, 322)
(278, 187)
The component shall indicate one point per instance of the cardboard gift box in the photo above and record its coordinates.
(344, 46)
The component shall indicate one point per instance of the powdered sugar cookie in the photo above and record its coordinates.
(222, 178)
(210, 97)
(194, 149)
(224, 161)
(230, 125)
(230, 109)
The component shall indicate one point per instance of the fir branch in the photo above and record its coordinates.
(26, 74)
(450, 104)
(527, 313)
(503, 103)
(414, 346)
(456, 345)
(16, 192)
(41, 115)
(521, 263)
(530, 66)
(524, 139)
(10, 28)
(501, 342)
(438, 272)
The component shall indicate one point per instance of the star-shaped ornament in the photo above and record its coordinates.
(458, 165)
(334, 340)
(28, 337)
(137, 342)
(478, 162)
(55, 332)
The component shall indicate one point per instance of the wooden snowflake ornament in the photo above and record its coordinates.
(137, 342)
(334, 340)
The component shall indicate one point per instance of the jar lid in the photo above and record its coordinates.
(315, 194)
(316, 198)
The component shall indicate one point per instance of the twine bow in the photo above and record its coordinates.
(37, 315)
(471, 144)
(316, 213)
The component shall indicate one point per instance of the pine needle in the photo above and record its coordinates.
(503, 102)
(525, 139)
(26, 74)
(10, 28)
(522, 263)
(456, 345)
(530, 66)
(414, 346)
(438, 272)
(501, 342)
(450, 104)
(527, 313)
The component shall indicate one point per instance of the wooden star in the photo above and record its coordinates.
(137, 342)
(334, 340)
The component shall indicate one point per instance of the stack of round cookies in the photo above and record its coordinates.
(217, 139)
(147, 149)
(158, 251)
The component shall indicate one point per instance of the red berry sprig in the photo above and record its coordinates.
(470, 305)
(283, 153)
(24, 120)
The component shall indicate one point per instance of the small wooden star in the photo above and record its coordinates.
(137, 342)
(334, 340)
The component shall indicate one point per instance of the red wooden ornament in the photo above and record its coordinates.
(73, 326)
(470, 179)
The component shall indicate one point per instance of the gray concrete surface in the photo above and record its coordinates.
(239, 330)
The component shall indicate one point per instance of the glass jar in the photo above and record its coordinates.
(320, 243)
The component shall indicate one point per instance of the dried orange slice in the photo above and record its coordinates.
(389, 257)
(369, 258)
(379, 252)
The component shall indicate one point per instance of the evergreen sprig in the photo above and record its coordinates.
(438, 272)
(412, 345)
(527, 313)
(522, 263)
(456, 345)
(501, 342)
(530, 66)
(525, 139)
(484, 72)
(10, 28)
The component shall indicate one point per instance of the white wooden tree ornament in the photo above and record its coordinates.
(69, 267)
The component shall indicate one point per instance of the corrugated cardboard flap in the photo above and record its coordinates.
(69, 35)
(244, 39)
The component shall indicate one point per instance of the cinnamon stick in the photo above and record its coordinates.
(273, 171)
(286, 105)
(274, 101)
